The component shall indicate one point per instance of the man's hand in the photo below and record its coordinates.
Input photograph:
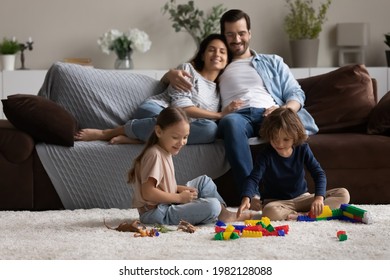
(178, 79)
(269, 110)
(292, 104)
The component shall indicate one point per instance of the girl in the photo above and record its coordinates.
(281, 169)
(201, 103)
(157, 196)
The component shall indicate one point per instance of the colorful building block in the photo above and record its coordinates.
(346, 212)
(342, 235)
(251, 233)
(252, 228)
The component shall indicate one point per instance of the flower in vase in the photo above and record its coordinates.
(124, 43)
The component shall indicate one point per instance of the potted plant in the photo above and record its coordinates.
(303, 25)
(189, 18)
(387, 42)
(8, 49)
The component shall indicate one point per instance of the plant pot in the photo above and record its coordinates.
(388, 58)
(8, 62)
(304, 53)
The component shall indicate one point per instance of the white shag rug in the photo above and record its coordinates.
(81, 235)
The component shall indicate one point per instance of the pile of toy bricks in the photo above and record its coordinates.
(251, 228)
(346, 212)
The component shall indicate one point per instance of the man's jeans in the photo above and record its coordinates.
(236, 128)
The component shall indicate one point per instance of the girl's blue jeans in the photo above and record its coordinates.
(205, 209)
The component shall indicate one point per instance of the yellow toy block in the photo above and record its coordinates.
(326, 213)
(266, 221)
(252, 234)
(230, 228)
(349, 215)
(251, 222)
(226, 235)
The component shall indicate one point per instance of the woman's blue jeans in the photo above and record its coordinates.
(202, 131)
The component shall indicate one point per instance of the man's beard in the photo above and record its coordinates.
(239, 52)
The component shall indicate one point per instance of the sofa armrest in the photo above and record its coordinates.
(15, 145)
(16, 168)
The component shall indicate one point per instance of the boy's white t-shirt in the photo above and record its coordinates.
(240, 80)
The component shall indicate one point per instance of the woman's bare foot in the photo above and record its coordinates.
(89, 134)
(227, 216)
(122, 139)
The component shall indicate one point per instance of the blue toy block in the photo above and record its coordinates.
(220, 224)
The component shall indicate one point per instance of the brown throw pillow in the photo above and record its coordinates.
(340, 100)
(41, 118)
(379, 120)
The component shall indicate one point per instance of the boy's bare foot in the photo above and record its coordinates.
(294, 216)
(227, 216)
(256, 204)
(122, 139)
(89, 134)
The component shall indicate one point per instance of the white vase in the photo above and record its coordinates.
(8, 62)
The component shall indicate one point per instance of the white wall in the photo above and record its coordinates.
(70, 28)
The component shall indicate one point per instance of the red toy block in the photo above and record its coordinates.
(285, 228)
(342, 235)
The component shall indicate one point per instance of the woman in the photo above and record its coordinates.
(201, 103)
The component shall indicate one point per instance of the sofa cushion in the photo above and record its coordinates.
(379, 120)
(43, 119)
(340, 100)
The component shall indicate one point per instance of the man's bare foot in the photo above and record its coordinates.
(227, 216)
(122, 139)
(89, 134)
(256, 204)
